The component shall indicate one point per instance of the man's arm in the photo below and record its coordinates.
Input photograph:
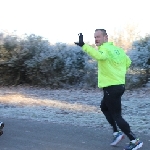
(95, 54)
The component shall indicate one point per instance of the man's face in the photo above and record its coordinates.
(100, 38)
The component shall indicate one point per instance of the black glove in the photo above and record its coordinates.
(80, 43)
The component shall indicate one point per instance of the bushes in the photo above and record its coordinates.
(140, 53)
(34, 61)
(139, 72)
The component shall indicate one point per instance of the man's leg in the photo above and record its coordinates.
(112, 97)
(108, 115)
(118, 136)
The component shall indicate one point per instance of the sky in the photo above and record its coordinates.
(62, 20)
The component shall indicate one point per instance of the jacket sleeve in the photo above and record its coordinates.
(128, 62)
(95, 54)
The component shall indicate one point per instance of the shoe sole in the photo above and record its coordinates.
(137, 147)
(119, 139)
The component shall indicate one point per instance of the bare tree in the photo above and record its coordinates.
(125, 36)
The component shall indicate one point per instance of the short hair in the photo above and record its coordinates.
(102, 30)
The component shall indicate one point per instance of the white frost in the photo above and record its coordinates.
(77, 107)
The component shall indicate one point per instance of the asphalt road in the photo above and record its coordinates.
(34, 135)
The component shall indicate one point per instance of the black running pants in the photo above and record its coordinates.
(111, 108)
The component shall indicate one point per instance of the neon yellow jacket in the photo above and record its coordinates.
(112, 63)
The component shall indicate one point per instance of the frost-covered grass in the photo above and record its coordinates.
(77, 107)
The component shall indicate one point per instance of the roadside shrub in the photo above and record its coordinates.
(139, 72)
(33, 60)
(140, 53)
